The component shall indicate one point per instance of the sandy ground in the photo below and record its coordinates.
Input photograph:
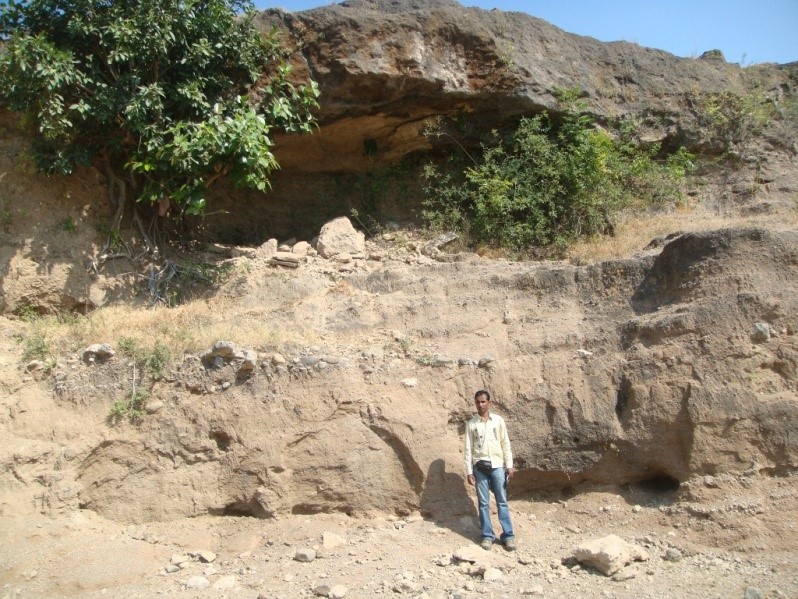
(742, 542)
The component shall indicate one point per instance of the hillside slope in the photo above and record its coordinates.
(650, 381)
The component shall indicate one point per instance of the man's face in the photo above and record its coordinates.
(482, 403)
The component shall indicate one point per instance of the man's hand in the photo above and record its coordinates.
(471, 480)
(510, 473)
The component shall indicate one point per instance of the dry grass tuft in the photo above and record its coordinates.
(635, 233)
(187, 329)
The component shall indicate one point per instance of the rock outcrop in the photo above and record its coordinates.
(638, 371)
(678, 363)
(387, 67)
(408, 82)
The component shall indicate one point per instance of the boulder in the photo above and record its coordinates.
(339, 237)
(98, 352)
(609, 554)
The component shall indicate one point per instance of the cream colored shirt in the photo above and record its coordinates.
(487, 440)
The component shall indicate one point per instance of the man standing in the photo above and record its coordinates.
(489, 465)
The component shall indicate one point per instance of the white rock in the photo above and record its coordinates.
(608, 554)
(491, 574)
(197, 582)
(339, 236)
(672, 554)
(337, 592)
(330, 540)
(760, 332)
(302, 248)
(410, 383)
(206, 556)
(304, 554)
(225, 583)
(406, 586)
(249, 361)
(153, 407)
(268, 248)
(98, 351)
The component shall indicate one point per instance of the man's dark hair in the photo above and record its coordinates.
(482, 392)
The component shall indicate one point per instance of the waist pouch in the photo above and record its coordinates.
(484, 466)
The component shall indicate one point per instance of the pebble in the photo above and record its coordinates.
(305, 555)
(225, 583)
(673, 555)
(338, 591)
(406, 586)
(197, 582)
(491, 574)
(206, 556)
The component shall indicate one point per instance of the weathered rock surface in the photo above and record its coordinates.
(392, 71)
(656, 393)
(672, 365)
(386, 66)
(633, 371)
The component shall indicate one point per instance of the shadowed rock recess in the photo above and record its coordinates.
(386, 66)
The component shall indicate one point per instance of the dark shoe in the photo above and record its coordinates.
(509, 544)
(486, 544)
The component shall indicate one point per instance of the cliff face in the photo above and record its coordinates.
(676, 362)
(386, 66)
(390, 69)
(660, 369)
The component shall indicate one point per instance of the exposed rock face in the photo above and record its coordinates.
(389, 71)
(678, 363)
(386, 66)
(636, 370)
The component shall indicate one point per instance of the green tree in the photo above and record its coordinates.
(163, 96)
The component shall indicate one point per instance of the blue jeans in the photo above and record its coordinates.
(486, 483)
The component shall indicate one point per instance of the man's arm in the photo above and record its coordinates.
(507, 450)
(467, 455)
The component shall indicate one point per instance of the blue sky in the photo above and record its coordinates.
(747, 31)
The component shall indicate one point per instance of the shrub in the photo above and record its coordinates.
(733, 119)
(551, 182)
(35, 346)
(131, 408)
(154, 360)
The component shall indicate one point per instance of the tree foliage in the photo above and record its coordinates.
(164, 96)
(551, 182)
